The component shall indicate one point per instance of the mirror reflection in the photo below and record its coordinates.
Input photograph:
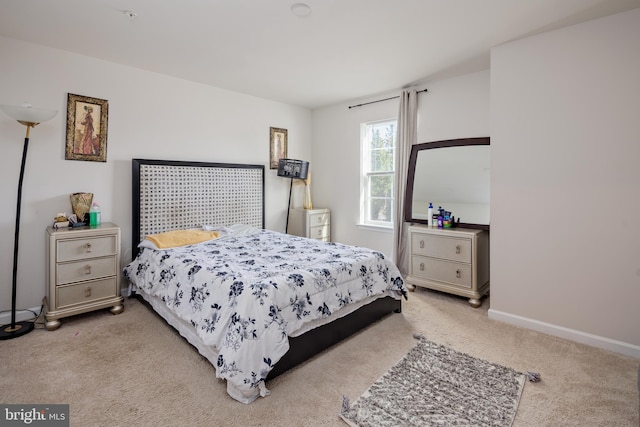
(457, 178)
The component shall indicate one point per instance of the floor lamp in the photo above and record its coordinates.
(294, 169)
(29, 117)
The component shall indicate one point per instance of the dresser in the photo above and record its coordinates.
(83, 271)
(454, 260)
(311, 223)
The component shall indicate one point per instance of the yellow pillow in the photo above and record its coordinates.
(172, 239)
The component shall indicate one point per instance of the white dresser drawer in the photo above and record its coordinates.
(455, 273)
(89, 269)
(443, 247)
(453, 260)
(82, 293)
(91, 247)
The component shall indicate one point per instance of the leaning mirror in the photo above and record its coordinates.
(454, 174)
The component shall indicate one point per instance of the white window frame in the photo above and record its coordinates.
(366, 174)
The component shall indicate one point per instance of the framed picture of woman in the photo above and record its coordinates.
(86, 128)
(277, 146)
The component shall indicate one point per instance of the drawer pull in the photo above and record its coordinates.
(319, 220)
(422, 266)
(87, 269)
(458, 274)
(87, 291)
(458, 249)
(88, 246)
(421, 244)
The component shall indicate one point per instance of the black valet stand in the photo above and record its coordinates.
(294, 169)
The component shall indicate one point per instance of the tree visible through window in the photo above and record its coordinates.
(378, 142)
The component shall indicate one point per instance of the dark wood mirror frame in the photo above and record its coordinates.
(408, 197)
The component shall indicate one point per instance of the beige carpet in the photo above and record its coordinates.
(132, 369)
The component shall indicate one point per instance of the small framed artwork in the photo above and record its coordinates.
(277, 146)
(86, 128)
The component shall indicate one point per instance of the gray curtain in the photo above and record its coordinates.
(407, 137)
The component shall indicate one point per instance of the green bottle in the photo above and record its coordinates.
(94, 215)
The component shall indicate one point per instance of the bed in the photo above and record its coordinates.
(254, 302)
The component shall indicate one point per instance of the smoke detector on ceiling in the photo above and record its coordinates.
(130, 14)
(301, 9)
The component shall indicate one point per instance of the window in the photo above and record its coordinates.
(378, 142)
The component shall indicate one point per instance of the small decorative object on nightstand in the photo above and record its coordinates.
(83, 271)
(312, 223)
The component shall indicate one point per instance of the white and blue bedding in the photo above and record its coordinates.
(247, 291)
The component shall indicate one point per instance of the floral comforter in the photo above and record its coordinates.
(245, 293)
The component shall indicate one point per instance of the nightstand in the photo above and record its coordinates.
(83, 271)
(311, 223)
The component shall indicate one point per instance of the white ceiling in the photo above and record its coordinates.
(343, 50)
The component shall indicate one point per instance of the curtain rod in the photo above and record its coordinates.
(380, 100)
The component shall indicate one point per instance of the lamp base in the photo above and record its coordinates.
(20, 328)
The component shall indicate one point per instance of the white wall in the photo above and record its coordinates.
(452, 108)
(565, 176)
(150, 116)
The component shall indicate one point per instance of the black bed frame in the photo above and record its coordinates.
(317, 340)
(309, 344)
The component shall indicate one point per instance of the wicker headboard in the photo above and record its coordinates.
(170, 195)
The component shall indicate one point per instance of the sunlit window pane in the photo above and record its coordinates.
(382, 160)
(382, 186)
(378, 157)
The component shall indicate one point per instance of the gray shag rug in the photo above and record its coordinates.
(434, 385)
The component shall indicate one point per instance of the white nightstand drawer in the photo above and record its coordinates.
(321, 232)
(442, 271)
(319, 219)
(85, 270)
(311, 223)
(84, 292)
(451, 248)
(92, 247)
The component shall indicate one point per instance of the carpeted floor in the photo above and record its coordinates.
(132, 369)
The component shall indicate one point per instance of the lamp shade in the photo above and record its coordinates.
(291, 168)
(28, 114)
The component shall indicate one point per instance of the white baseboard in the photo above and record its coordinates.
(593, 340)
(5, 317)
